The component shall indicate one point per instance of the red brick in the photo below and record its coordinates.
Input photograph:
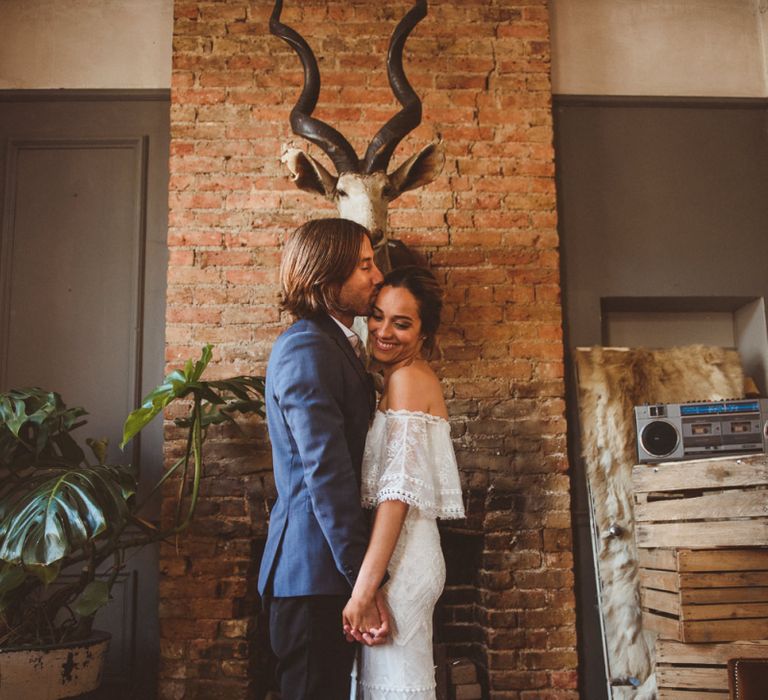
(488, 225)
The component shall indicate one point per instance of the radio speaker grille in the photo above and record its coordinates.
(659, 438)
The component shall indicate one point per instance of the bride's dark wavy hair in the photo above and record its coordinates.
(420, 282)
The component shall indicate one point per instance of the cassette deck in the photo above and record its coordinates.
(675, 431)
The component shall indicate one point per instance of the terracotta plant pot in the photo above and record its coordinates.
(53, 671)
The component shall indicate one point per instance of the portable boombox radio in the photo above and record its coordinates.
(666, 432)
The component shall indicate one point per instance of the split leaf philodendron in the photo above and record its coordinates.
(59, 508)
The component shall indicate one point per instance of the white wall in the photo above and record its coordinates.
(85, 43)
(660, 47)
(599, 47)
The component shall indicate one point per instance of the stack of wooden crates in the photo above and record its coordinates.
(702, 536)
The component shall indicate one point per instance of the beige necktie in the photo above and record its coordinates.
(357, 345)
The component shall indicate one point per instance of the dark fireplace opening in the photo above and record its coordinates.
(457, 634)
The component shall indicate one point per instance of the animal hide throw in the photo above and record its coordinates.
(611, 381)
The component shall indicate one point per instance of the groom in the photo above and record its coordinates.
(319, 400)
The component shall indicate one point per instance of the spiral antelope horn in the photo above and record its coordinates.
(335, 146)
(407, 119)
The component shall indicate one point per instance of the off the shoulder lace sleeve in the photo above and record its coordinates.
(409, 457)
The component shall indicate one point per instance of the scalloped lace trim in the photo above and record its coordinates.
(409, 457)
(379, 686)
(429, 509)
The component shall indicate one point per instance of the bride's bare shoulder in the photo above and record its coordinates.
(418, 375)
(415, 388)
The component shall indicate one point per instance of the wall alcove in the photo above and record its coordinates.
(662, 322)
(661, 212)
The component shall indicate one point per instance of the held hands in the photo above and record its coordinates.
(366, 621)
(366, 617)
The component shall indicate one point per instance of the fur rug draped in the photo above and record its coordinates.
(611, 381)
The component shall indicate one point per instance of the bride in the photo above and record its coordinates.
(411, 478)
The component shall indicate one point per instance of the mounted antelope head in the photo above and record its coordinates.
(361, 189)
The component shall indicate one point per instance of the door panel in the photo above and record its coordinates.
(73, 243)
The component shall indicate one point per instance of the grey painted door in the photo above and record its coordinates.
(82, 290)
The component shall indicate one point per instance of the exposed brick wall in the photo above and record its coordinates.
(488, 226)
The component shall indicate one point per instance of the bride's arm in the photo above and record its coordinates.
(406, 390)
(387, 523)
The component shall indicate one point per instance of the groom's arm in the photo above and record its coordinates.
(308, 386)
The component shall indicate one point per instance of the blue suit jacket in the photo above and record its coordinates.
(319, 400)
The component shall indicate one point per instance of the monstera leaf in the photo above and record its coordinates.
(176, 385)
(11, 577)
(35, 428)
(212, 402)
(54, 512)
(94, 596)
(58, 510)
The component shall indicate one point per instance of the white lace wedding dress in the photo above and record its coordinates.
(409, 457)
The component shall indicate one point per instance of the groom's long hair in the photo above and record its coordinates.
(317, 259)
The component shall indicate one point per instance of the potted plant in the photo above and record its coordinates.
(60, 510)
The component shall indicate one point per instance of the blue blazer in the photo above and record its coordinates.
(319, 400)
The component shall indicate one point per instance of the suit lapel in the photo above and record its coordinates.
(330, 327)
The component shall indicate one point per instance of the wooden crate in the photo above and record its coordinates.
(717, 595)
(702, 504)
(698, 671)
